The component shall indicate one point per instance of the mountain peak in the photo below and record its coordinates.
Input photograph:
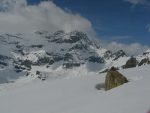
(49, 52)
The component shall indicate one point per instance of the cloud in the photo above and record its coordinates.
(148, 27)
(11, 5)
(118, 38)
(18, 16)
(131, 49)
(138, 2)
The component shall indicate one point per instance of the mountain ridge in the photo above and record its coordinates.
(57, 51)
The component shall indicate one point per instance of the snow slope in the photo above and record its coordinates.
(78, 95)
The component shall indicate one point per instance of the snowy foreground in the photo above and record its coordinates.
(78, 95)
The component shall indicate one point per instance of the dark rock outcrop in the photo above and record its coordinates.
(26, 63)
(41, 75)
(96, 59)
(54, 57)
(118, 54)
(78, 47)
(144, 61)
(2, 57)
(43, 60)
(36, 46)
(114, 79)
(132, 62)
(68, 57)
(38, 72)
(3, 63)
(107, 54)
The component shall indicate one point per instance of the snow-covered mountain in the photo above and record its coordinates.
(43, 54)
(26, 59)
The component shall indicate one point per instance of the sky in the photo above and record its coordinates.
(114, 18)
(119, 24)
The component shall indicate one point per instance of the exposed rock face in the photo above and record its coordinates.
(4, 61)
(132, 62)
(144, 61)
(96, 59)
(114, 79)
(118, 54)
(41, 75)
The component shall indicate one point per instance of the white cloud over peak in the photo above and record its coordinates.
(17, 16)
(131, 49)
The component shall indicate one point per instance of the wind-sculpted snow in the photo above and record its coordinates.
(77, 94)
